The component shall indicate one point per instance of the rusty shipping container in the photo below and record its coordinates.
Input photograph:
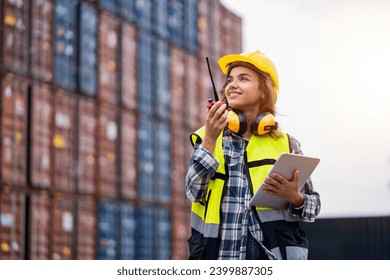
(62, 235)
(108, 58)
(39, 226)
(128, 155)
(63, 141)
(179, 165)
(86, 224)
(13, 130)
(107, 143)
(41, 49)
(14, 41)
(40, 126)
(12, 225)
(86, 145)
(230, 32)
(181, 230)
(129, 50)
(161, 67)
(195, 107)
(177, 79)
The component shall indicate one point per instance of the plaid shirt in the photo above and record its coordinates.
(237, 215)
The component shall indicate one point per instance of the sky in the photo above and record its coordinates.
(333, 60)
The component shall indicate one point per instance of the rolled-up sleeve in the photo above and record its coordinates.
(202, 166)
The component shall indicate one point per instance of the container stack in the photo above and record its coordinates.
(98, 99)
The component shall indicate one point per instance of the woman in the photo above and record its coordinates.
(229, 163)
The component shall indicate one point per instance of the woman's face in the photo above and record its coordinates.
(242, 89)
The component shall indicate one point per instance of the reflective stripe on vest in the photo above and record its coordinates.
(262, 152)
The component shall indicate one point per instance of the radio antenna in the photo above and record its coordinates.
(212, 81)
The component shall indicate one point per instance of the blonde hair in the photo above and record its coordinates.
(266, 86)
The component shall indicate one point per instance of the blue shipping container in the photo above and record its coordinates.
(128, 229)
(163, 233)
(160, 18)
(143, 14)
(162, 160)
(65, 44)
(176, 21)
(144, 69)
(161, 77)
(145, 234)
(145, 159)
(191, 25)
(88, 50)
(110, 5)
(126, 9)
(107, 230)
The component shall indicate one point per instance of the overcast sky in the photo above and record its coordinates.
(333, 59)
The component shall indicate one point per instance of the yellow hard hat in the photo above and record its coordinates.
(257, 59)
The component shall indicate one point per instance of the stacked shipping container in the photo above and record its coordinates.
(98, 99)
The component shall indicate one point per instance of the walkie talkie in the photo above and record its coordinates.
(210, 101)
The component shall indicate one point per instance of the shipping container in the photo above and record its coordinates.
(63, 141)
(108, 230)
(14, 130)
(86, 225)
(162, 163)
(145, 246)
(176, 21)
(40, 127)
(145, 156)
(195, 107)
(177, 86)
(161, 77)
(14, 41)
(62, 228)
(181, 231)
(86, 145)
(128, 155)
(143, 14)
(108, 58)
(191, 26)
(128, 231)
(88, 50)
(42, 18)
(126, 10)
(179, 165)
(107, 142)
(230, 32)
(65, 44)
(111, 6)
(129, 50)
(12, 225)
(162, 234)
(160, 18)
(39, 226)
(145, 66)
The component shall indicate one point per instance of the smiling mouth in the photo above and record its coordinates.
(232, 94)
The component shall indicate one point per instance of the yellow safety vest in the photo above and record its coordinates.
(261, 154)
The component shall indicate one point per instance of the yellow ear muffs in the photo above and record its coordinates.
(263, 124)
(236, 121)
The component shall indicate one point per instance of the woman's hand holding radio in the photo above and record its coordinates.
(216, 121)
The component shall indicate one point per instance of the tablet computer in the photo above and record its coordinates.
(285, 166)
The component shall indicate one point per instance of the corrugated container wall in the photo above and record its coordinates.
(98, 100)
